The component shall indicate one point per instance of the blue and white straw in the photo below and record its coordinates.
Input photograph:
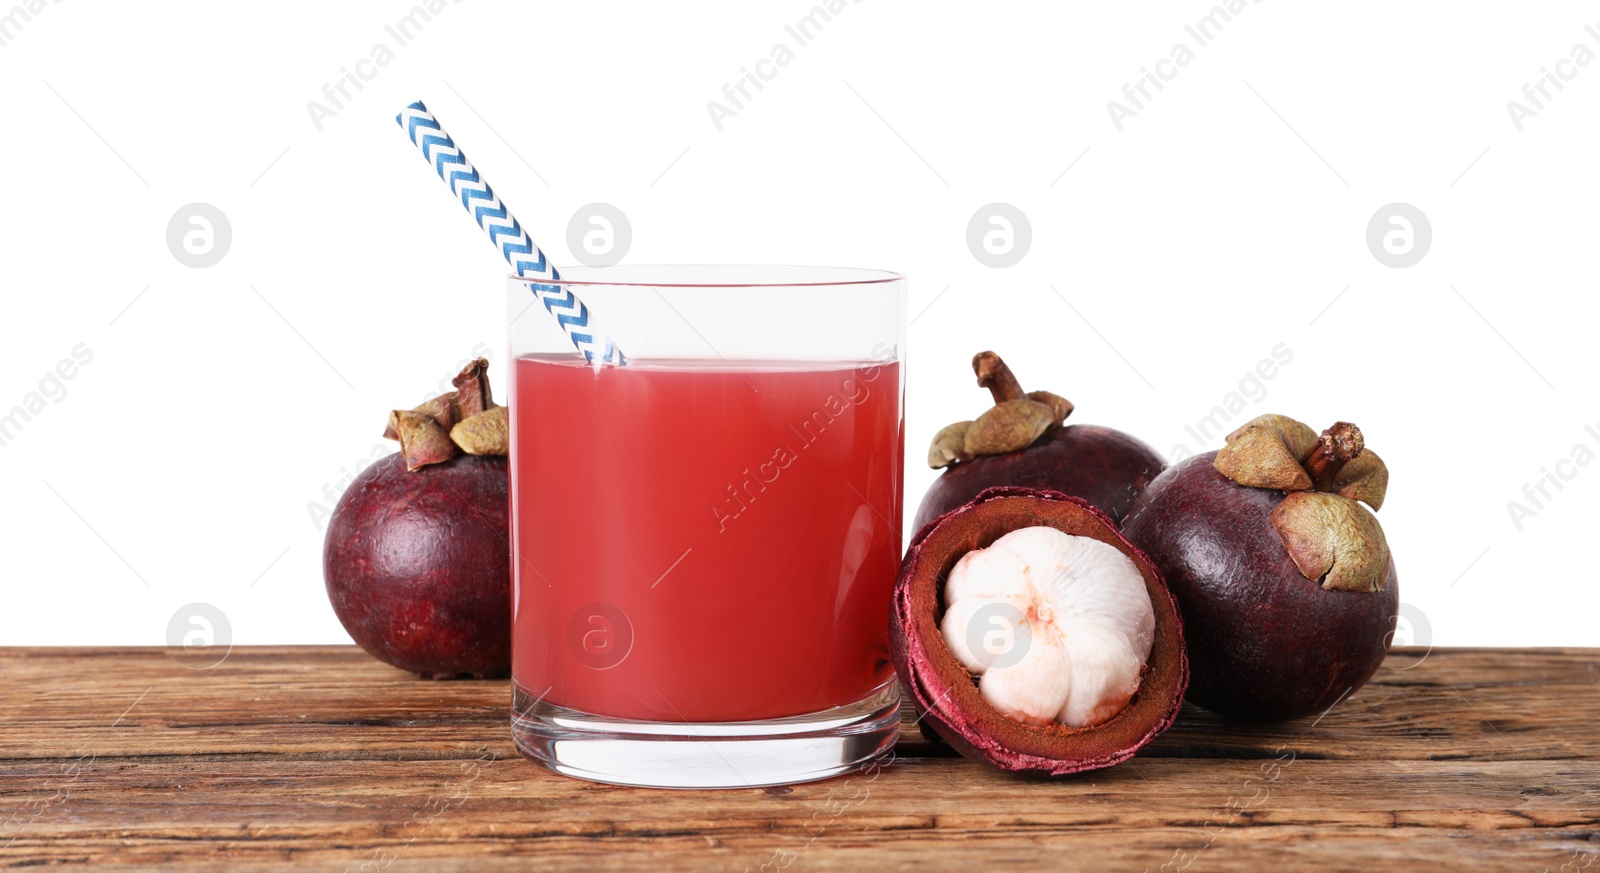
(506, 233)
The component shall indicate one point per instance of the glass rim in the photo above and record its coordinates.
(616, 276)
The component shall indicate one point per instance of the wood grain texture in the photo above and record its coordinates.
(1460, 759)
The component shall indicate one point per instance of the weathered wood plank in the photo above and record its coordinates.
(335, 702)
(347, 813)
(217, 799)
(1465, 759)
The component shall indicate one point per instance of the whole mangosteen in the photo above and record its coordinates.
(417, 558)
(1288, 589)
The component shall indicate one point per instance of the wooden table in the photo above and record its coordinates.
(1457, 759)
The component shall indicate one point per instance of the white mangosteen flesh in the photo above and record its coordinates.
(1057, 626)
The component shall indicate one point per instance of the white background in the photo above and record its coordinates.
(1224, 218)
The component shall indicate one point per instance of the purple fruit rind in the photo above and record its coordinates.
(1106, 467)
(418, 569)
(1267, 644)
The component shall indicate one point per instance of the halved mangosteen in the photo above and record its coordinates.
(1034, 638)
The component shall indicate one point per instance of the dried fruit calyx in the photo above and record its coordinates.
(1023, 441)
(463, 420)
(1071, 634)
(1331, 538)
(1058, 626)
(1016, 420)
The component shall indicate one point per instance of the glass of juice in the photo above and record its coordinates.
(705, 540)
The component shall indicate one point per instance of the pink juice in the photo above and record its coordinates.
(704, 540)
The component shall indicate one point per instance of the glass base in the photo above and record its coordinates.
(743, 754)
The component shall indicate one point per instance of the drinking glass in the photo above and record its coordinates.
(705, 539)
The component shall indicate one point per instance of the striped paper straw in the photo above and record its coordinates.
(506, 233)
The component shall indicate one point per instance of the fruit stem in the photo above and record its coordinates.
(472, 389)
(994, 375)
(1337, 446)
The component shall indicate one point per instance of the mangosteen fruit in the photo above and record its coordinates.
(1022, 441)
(1286, 582)
(417, 556)
(1032, 637)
